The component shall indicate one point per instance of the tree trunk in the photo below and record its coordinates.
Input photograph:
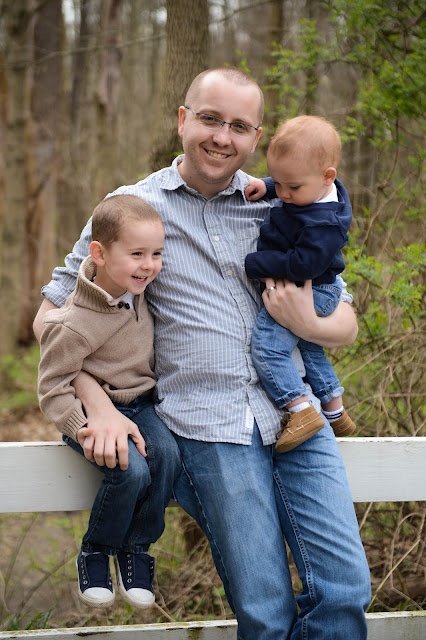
(107, 100)
(42, 157)
(274, 37)
(139, 88)
(75, 186)
(314, 13)
(228, 48)
(3, 93)
(13, 290)
(186, 56)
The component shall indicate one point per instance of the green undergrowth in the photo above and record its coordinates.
(38, 584)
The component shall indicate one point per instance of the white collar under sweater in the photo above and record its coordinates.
(89, 294)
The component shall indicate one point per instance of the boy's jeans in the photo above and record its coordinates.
(272, 346)
(249, 500)
(128, 511)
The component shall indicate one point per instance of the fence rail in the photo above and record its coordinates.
(48, 476)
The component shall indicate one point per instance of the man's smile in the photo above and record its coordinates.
(216, 154)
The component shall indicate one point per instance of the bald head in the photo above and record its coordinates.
(231, 74)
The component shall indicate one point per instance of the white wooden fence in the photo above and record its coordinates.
(48, 476)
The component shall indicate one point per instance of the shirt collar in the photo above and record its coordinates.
(172, 180)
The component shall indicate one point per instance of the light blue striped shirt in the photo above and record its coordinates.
(204, 309)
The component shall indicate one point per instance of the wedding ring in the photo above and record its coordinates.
(271, 289)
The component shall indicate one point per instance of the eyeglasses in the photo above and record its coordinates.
(212, 122)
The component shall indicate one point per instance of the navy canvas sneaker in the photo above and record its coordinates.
(94, 579)
(135, 573)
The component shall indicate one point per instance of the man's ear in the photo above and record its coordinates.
(329, 176)
(181, 119)
(256, 140)
(97, 253)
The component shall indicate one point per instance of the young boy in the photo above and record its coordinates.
(105, 329)
(301, 240)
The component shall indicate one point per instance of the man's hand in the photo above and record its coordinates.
(46, 305)
(255, 189)
(293, 308)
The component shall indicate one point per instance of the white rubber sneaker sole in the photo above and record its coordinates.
(138, 598)
(97, 597)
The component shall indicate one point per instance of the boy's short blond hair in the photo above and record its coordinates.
(310, 139)
(110, 215)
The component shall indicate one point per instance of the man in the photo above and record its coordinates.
(247, 497)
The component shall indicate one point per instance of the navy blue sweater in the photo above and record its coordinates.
(302, 243)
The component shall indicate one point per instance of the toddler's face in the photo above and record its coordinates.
(296, 182)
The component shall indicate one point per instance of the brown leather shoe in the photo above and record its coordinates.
(343, 426)
(298, 427)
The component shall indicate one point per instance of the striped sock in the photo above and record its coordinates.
(333, 415)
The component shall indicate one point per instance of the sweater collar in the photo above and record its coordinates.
(89, 294)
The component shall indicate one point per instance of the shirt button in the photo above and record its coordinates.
(216, 238)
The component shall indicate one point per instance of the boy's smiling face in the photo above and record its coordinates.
(133, 261)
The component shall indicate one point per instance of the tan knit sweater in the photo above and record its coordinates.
(91, 333)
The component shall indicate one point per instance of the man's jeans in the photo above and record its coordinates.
(128, 511)
(272, 345)
(247, 499)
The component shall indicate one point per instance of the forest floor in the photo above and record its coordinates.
(26, 426)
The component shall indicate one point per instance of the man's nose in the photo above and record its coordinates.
(223, 133)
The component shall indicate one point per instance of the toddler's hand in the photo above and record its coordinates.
(255, 189)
